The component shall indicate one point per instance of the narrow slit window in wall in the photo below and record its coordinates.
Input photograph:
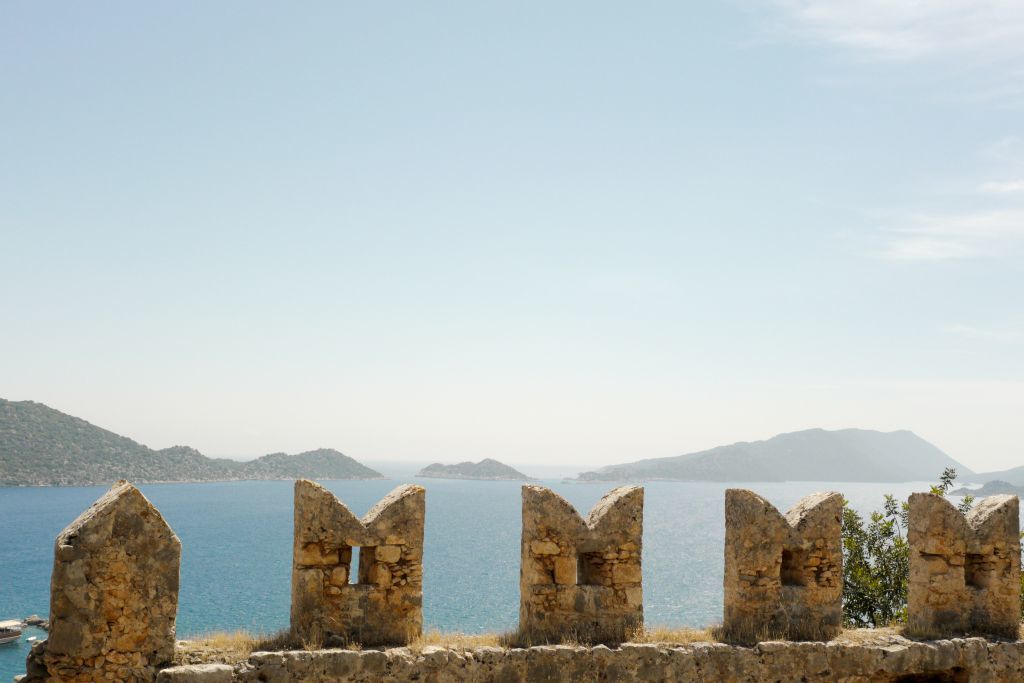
(792, 573)
(353, 566)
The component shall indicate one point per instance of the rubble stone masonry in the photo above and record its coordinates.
(964, 571)
(783, 575)
(380, 601)
(113, 594)
(579, 576)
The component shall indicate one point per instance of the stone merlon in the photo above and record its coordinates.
(783, 574)
(380, 601)
(581, 576)
(964, 571)
(113, 593)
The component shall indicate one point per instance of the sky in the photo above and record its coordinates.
(578, 233)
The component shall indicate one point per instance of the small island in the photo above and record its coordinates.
(992, 488)
(487, 469)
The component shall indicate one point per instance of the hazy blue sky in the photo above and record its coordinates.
(544, 232)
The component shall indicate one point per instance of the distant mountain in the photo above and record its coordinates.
(40, 446)
(810, 455)
(485, 469)
(992, 488)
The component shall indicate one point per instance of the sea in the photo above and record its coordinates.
(236, 548)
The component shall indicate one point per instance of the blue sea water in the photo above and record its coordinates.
(236, 548)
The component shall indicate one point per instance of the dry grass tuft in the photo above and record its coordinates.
(455, 640)
(672, 636)
(314, 640)
(229, 648)
(585, 635)
(918, 631)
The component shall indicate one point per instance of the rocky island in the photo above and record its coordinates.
(40, 446)
(992, 488)
(487, 469)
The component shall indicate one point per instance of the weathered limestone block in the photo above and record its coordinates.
(113, 594)
(581, 576)
(783, 575)
(197, 673)
(381, 600)
(964, 571)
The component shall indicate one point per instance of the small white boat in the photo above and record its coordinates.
(10, 631)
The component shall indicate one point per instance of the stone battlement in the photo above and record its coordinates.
(114, 596)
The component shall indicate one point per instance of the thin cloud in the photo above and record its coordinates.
(914, 29)
(1003, 187)
(986, 333)
(923, 249)
(976, 225)
(960, 236)
(1009, 149)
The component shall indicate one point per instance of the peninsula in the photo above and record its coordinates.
(40, 446)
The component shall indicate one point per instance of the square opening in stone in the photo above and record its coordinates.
(792, 572)
(590, 569)
(978, 570)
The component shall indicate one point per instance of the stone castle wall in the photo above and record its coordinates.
(115, 588)
(581, 577)
(378, 602)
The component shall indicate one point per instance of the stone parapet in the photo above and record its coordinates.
(114, 594)
(581, 576)
(378, 602)
(964, 570)
(783, 574)
(886, 660)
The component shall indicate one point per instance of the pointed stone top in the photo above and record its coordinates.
(407, 493)
(988, 508)
(122, 499)
(747, 505)
(620, 511)
(981, 514)
(623, 495)
(814, 505)
(549, 501)
(746, 496)
(756, 509)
